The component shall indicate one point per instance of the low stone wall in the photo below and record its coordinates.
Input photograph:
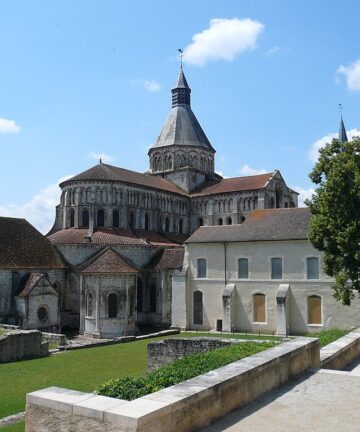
(19, 345)
(9, 327)
(340, 353)
(183, 407)
(167, 351)
(58, 338)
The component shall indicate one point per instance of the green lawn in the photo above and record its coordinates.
(231, 335)
(17, 427)
(79, 370)
(2, 331)
(328, 336)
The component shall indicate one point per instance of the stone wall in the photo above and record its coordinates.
(167, 351)
(338, 354)
(19, 345)
(180, 408)
(58, 338)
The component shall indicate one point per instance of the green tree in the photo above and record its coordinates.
(335, 220)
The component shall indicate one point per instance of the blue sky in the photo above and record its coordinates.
(84, 78)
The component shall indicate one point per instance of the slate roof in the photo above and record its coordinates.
(114, 236)
(108, 261)
(181, 80)
(107, 172)
(235, 184)
(260, 225)
(30, 284)
(167, 259)
(23, 247)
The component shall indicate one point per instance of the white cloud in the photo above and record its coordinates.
(246, 170)
(40, 210)
(222, 174)
(151, 86)
(103, 156)
(8, 126)
(352, 75)
(276, 50)
(304, 194)
(224, 39)
(321, 142)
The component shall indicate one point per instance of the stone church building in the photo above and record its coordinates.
(118, 235)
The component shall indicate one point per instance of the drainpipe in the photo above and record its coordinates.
(225, 269)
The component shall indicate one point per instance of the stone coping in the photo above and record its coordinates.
(339, 353)
(177, 408)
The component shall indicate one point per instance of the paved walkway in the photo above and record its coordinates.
(317, 401)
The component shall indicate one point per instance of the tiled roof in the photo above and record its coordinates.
(108, 261)
(163, 239)
(106, 172)
(235, 184)
(23, 247)
(260, 225)
(167, 259)
(31, 283)
(113, 236)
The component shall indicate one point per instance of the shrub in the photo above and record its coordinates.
(130, 388)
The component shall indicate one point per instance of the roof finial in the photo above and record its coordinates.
(340, 108)
(181, 51)
(100, 160)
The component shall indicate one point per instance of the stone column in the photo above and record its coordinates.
(282, 296)
(179, 299)
(228, 307)
(82, 305)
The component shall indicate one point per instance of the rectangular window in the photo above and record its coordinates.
(314, 310)
(243, 268)
(312, 268)
(201, 268)
(259, 308)
(276, 268)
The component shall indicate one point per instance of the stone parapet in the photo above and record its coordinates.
(19, 345)
(183, 407)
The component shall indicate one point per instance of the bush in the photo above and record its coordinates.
(130, 388)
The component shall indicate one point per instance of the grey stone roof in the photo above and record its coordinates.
(260, 225)
(182, 128)
(342, 132)
(181, 81)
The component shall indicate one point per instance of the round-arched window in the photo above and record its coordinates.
(42, 313)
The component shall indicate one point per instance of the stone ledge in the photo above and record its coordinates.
(341, 352)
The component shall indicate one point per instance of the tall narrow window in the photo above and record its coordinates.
(100, 219)
(116, 219)
(167, 224)
(243, 268)
(278, 197)
(181, 226)
(153, 298)
(140, 295)
(72, 217)
(220, 221)
(146, 221)
(312, 268)
(201, 268)
(314, 310)
(131, 301)
(112, 305)
(198, 307)
(200, 222)
(276, 268)
(85, 219)
(228, 221)
(259, 308)
(89, 305)
(132, 220)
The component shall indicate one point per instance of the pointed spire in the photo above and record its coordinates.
(181, 91)
(342, 131)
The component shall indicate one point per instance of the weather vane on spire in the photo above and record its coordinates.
(340, 108)
(181, 51)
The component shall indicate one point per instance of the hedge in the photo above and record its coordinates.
(130, 388)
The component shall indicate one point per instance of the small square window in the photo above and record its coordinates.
(276, 268)
(243, 268)
(201, 268)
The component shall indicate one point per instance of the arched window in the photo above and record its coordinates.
(200, 222)
(132, 220)
(286, 204)
(220, 221)
(272, 202)
(72, 217)
(228, 221)
(100, 219)
(140, 295)
(146, 224)
(198, 307)
(181, 226)
(167, 224)
(112, 305)
(314, 310)
(153, 298)
(131, 301)
(116, 219)
(89, 305)
(278, 196)
(85, 219)
(259, 308)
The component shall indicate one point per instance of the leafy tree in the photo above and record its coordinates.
(335, 220)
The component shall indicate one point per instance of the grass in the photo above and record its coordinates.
(231, 335)
(81, 370)
(17, 427)
(2, 331)
(328, 336)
